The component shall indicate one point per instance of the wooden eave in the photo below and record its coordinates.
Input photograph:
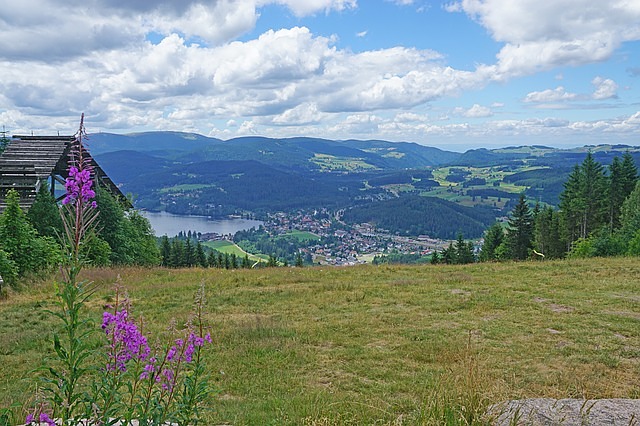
(29, 160)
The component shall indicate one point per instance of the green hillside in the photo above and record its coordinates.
(372, 345)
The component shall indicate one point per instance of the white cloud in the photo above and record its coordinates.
(476, 111)
(402, 2)
(541, 35)
(306, 113)
(559, 94)
(605, 88)
(308, 7)
(361, 34)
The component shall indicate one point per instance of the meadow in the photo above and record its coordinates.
(396, 345)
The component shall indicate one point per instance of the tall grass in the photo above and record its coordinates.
(396, 345)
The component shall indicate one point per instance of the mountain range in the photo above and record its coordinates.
(187, 173)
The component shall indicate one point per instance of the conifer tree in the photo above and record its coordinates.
(165, 251)
(583, 201)
(493, 237)
(201, 257)
(299, 263)
(463, 254)
(19, 240)
(547, 238)
(630, 216)
(44, 214)
(177, 253)
(449, 255)
(212, 259)
(435, 258)
(520, 230)
(246, 264)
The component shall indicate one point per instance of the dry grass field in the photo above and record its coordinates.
(396, 345)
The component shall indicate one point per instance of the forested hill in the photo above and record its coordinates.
(426, 215)
(303, 154)
(378, 181)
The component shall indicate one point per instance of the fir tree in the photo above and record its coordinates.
(449, 255)
(44, 214)
(165, 251)
(246, 264)
(583, 201)
(435, 258)
(177, 253)
(548, 234)
(299, 263)
(493, 237)
(189, 253)
(520, 230)
(201, 257)
(463, 254)
(212, 259)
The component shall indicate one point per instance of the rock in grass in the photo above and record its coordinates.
(566, 412)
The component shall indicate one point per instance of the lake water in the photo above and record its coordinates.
(164, 223)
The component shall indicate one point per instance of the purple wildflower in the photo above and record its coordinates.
(207, 337)
(30, 419)
(79, 186)
(171, 353)
(149, 369)
(127, 342)
(44, 417)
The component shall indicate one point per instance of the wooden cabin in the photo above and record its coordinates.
(28, 161)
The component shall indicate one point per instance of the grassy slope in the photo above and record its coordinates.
(367, 344)
(225, 246)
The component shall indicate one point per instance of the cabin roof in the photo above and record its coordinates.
(27, 161)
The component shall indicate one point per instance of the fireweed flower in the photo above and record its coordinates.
(44, 418)
(79, 186)
(126, 340)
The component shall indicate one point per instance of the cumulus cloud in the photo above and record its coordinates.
(476, 111)
(541, 35)
(559, 94)
(605, 88)
(182, 64)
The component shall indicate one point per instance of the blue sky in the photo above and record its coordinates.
(455, 74)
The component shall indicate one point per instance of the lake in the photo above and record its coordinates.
(164, 223)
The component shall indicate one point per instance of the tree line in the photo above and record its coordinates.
(598, 215)
(30, 242)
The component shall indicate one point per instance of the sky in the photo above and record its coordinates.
(453, 74)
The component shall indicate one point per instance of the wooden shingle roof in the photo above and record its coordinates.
(30, 160)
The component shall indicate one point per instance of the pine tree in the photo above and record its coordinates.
(44, 214)
(177, 253)
(435, 258)
(299, 263)
(212, 259)
(629, 174)
(449, 255)
(547, 238)
(630, 216)
(493, 237)
(463, 254)
(583, 201)
(165, 251)
(520, 230)
(246, 264)
(201, 257)
(189, 253)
